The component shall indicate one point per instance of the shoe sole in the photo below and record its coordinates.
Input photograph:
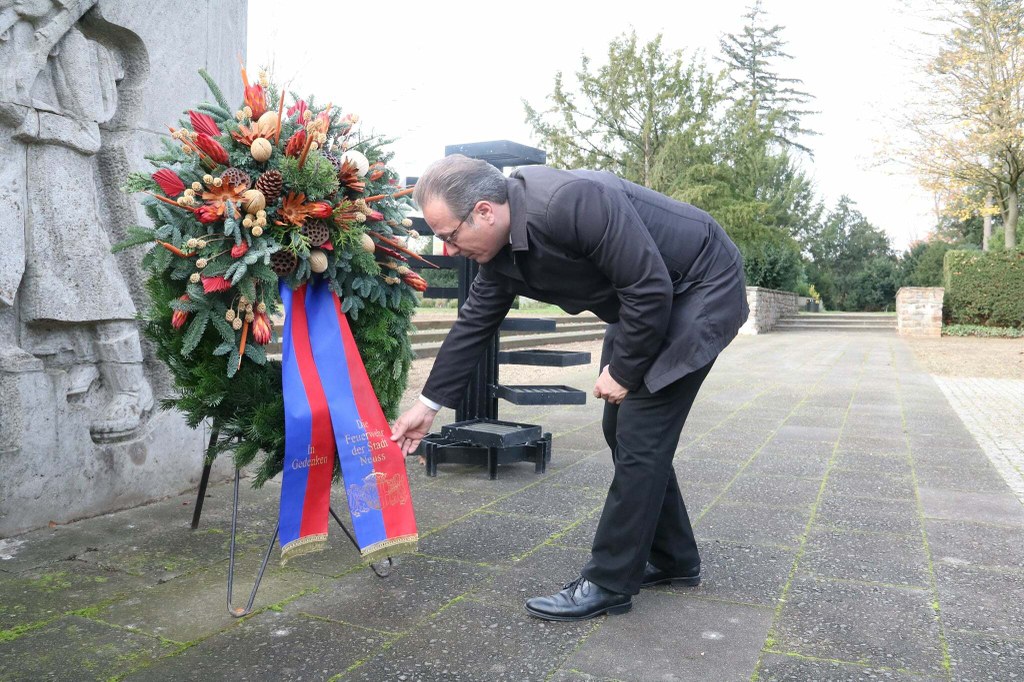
(689, 582)
(611, 611)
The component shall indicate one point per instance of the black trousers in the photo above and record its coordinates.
(644, 517)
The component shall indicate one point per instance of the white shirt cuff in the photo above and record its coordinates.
(436, 407)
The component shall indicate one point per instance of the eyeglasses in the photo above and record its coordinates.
(450, 238)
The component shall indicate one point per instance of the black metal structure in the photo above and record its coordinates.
(477, 436)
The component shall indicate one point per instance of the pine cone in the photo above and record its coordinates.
(236, 177)
(316, 231)
(283, 262)
(334, 160)
(270, 184)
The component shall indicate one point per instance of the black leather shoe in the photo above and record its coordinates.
(579, 600)
(655, 576)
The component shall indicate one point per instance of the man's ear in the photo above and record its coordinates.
(484, 211)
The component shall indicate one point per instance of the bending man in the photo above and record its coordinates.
(669, 283)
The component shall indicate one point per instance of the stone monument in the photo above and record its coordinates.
(86, 89)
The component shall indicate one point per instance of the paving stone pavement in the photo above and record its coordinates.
(851, 528)
(993, 411)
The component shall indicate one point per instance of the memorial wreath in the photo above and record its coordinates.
(268, 209)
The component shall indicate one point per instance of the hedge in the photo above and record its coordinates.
(984, 288)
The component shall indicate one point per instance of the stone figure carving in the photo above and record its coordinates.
(63, 298)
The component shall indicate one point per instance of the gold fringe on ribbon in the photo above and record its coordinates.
(405, 544)
(306, 545)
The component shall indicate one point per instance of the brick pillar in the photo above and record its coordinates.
(919, 311)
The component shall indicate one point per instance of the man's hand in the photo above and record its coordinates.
(609, 389)
(412, 426)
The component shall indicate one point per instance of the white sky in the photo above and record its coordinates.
(438, 73)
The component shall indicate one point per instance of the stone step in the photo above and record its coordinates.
(440, 334)
(796, 327)
(789, 321)
(842, 316)
(429, 350)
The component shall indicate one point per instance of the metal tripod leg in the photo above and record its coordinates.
(235, 611)
(382, 569)
(205, 479)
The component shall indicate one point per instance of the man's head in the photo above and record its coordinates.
(465, 202)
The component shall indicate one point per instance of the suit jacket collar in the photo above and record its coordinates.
(517, 212)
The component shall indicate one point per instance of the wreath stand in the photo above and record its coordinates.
(382, 569)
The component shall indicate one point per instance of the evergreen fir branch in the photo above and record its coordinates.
(224, 348)
(139, 182)
(223, 327)
(219, 114)
(136, 235)
(233, 363)
(256, 353)
(215, 89)
(195, 332)
(240, 271)
(247, 288)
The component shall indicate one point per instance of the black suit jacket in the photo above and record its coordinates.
(662, 273)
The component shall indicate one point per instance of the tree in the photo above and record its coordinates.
(841, 248)
(627, 110)
(921, 265)
(754, 84)
(968, 133)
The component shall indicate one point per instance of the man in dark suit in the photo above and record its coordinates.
(669, 283)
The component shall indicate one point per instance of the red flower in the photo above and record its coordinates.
(212, 148)
(319, 209)
(180, 316)
(256, 99)
(201, 123)
(208, 213)
(261, 329)
(326, 246)
(295, 144)
(169, 182)
(213, 284)
(238, 250)
(374, 216)
(299, 106)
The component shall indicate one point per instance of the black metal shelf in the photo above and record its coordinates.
(544, 358)
(541, 395)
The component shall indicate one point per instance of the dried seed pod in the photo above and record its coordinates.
(283, 262)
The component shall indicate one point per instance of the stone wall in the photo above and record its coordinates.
(767, 306)
(86, 90)
(919, 311)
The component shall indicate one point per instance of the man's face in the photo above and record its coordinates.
(476, 236)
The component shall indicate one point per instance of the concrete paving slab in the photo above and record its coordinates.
(543, 572)
(977, 479)
(869, 514)
(417, 588)
(998, 508)
(475, 641)
(989, 601)
(985, 658)
(869, 484)
(750, 574)
(44, 593)
(545, 501)
(277, 646)
(753, 525)
(890, 464)
(962, 543)
(668, 637)
(887, 627)
(790, 668)
(791, 459)
(475, 538)
(778, 491)
(75, 648)
(193, 607)
(890, 559)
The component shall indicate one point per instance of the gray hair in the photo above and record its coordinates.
(460, 182)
